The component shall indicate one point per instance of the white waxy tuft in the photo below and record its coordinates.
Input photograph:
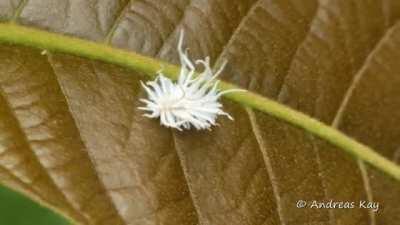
(191, 101)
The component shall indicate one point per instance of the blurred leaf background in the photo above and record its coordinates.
(15, 209)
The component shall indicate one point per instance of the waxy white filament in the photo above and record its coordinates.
(191, 101)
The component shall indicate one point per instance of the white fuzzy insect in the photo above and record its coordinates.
(191, 101)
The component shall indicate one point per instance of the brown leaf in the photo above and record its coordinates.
(71, 135)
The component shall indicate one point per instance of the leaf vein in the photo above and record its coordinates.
(27, 144)
(267, 161)
(117, 21)
(19, 10)
(344, 103)
(102, 186)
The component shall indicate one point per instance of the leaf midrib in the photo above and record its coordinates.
(344, 103)
(15, 34)
(252, 118)
(21, 35)
(107, 41)
(110, 37)
(243, 20)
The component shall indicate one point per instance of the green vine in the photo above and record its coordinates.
(21, 35)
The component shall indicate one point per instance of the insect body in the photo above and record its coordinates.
(191, 101)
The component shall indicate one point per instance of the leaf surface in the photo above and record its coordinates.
(71, 135)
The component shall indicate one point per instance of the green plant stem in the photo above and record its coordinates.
(21, 35)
